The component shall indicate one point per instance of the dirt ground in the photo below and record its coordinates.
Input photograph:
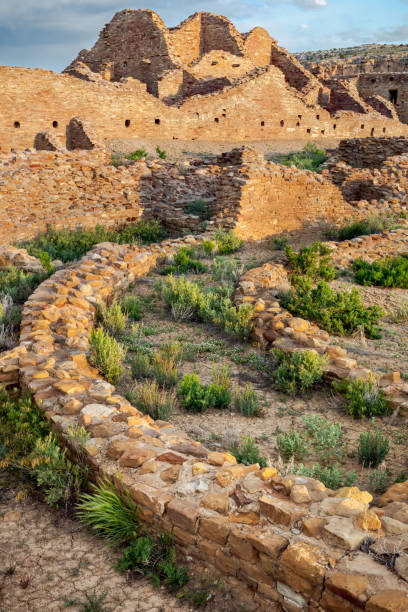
(220, 429)
(191, 149)
(49, 562)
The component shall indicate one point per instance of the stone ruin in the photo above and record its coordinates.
(144, 80)
(278, 543)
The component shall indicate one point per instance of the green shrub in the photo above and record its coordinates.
(327, 437)
(46, 262)
(373, 448)
(338, 313)
(107, 355)
(184, 262)
(247, 401)
(219, 391)
(137, 155)
(152, 400)
(333, 477)
(112, 317)
(388, 272)
(313, 261)
(140, 365)
(161, 153)
(164, 368)
(227, 242)
(132, 307)
(208, 247)
(365, 398)
(69, 245)
(194, 395)
(19, 285)
(107, 514)
(293, 444)
(224, 269)
(371, 225)
(248, 452)
(310, 158)
(297, 371)
(211, 305)
(380, 480)
(156, 559)
(58, 478)
(199, 208)
(279, 243)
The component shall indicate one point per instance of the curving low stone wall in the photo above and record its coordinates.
(279, 543)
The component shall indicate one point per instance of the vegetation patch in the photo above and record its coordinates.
(313, 261)
(296, 372)
(388, 272)
(339, 313)
(365, 227)
(373, 448)
(107, 354)
(364, 398)
(69, 245)
(248, 453)
(310, 158)
(185, 261)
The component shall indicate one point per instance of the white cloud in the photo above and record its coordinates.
(304, 26)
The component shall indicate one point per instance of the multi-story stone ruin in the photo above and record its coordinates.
(142, 79)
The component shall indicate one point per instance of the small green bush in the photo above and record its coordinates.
(156, 559)
(112, 317)
(161, 153)
(199, 208)
(297, 371)
(137, 155)
(279, 243)
(293, 444)
(248, 452)
(380, 480)
(210, 306)
(333, 477)
(208, 247)
(194, 395)
(184, 262)
(132, 307)
(365, 398)
(313, 261)
(371, 225)
(107, 514)
(164, 368)
(152, 400)
(19, 285)
(310, 158)
(140, 365)
(107, 355)
(219, 391)
(338, 313)
(227, 242)
(247, 401)
(373, 448)
(69, 245)
(327, 438)
(388, 272)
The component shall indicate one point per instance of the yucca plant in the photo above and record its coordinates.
(107, 515)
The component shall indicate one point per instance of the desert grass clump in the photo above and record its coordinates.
(107, 514)
(112, 317)
(333, 476)
(364, 227)
(380, 480)
(153, 400)
(219, 391)
(401, 314)
(248, 453)
(246, 401)
(297, 372)
(364, 398)
(373, 448)
(164, 367)
(309, 158)
(132, 307)
(185, 261)
(226, 270)
(107, 355)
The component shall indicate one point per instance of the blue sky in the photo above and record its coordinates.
(49, 33)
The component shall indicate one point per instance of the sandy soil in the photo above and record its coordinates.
(218, 429)
(191, 149)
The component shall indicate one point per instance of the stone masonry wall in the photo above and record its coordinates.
(278, 543)
(370, 152)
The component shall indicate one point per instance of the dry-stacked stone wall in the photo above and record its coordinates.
(370, 152)
(278, 543)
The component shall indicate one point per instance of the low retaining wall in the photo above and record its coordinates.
(279, 543)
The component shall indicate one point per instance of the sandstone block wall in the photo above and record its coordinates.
(370, 152)
(278, 543)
